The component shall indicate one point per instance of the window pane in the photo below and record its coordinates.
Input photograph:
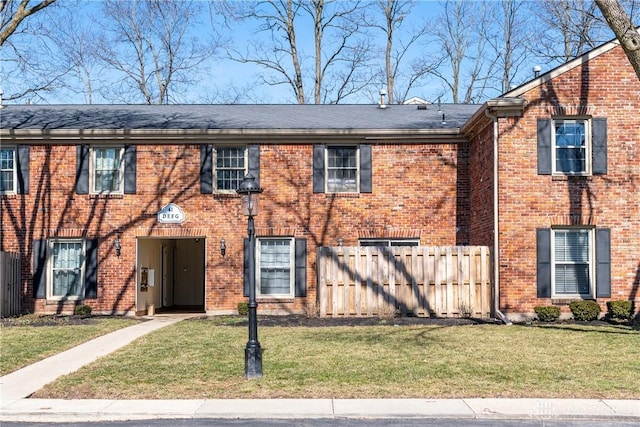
(570, 146)
(107, 166)
(342, 169)
(570, 134)
(571, 254)
(570, 159)
(572, 246)
(229, 167)
(7, 172)
(572, 279)
(67, 269)
(275, 266)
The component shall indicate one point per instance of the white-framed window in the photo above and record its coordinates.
(107, 169)
(571, 142)
(572, 261)
(385, 242)
(231, 167)
(8, 173)
(342, 169)
(275, 260)
(66, 264)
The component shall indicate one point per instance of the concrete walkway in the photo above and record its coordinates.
(24, 382)
(16, 387)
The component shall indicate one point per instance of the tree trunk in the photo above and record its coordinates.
(624, 30)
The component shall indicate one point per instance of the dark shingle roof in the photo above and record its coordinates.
(229, 117)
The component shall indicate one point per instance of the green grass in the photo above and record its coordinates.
(26, 344)
(205, 359)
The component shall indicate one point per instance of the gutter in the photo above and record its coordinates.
(496, 242)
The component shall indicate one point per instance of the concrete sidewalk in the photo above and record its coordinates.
(16, 387)
(46, 410)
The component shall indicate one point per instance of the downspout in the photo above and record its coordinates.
(496, 242)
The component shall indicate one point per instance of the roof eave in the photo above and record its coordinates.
(171, 136)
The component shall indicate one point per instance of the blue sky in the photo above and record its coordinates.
(222, 74)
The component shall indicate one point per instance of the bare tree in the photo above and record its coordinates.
(147, 44)
(402, 70)
(512, 35)
(14, 12)
(462, 38)
(75, 44)
(566, 29)
(23, 65)
(338, 66)
(625, 31)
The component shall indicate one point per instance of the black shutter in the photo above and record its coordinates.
(40, 268)
(22, 156)
(599, 145)
(91, 268)
(82, 169)
(603, 263)
(543, 255)
(318, 168)
(544, 147)
(130, 160)
(245, 268)
(206, 169)
(254, 162)
(301, 267)
(366, 184)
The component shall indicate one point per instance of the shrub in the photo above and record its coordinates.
(585, 310)
(243, 308)
(82, 310)
(620, 310)
(635, 322)
(547, 313)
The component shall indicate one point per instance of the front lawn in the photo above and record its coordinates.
(204, 358)
(28, 339)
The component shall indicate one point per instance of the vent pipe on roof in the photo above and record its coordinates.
(382, 103)
(536, 71)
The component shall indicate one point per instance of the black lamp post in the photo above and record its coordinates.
(249, 191)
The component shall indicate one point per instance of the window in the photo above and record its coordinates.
(572, 146)
(342, 169)
(572, 262)
(275, 258)
(67, 269)
(389, 242)
(230, 167)
(107, 170)
(8, 170)
(571, 142)
(222, 168)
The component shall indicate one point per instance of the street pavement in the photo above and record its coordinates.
(16, 387)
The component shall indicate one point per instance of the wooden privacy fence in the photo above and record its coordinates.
(9, 284)
(416, 281)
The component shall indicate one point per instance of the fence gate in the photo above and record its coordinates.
(9, 284)
(416, 281)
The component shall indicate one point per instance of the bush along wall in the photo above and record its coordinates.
(585, 310)
(620, 311)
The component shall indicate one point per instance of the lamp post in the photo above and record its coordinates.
(249, 191)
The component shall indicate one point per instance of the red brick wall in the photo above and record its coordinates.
(481, 187)
(606, 86)
(416, 191)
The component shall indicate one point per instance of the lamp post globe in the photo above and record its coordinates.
(249, 191)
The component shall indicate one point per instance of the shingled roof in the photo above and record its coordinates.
(447, 117)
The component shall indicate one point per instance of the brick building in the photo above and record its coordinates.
(123, 206)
